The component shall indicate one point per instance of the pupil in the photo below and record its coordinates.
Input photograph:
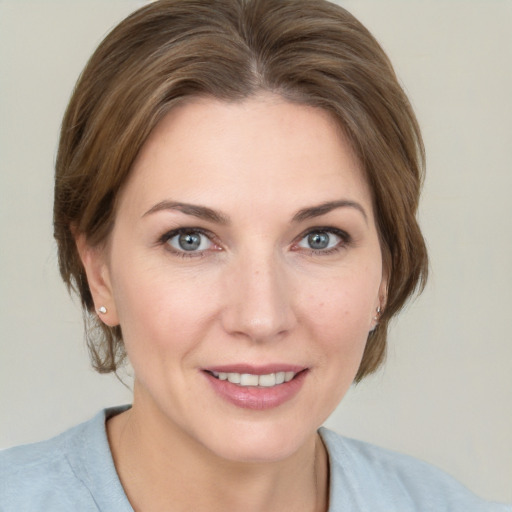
(318, 240)
(189, 241)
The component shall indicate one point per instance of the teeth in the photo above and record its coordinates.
(234, 378)
(247, 379)
(288, 376)
(267, 381)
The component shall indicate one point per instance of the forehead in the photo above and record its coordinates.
(264, 149)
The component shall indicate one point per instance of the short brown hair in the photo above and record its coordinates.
(308, 51)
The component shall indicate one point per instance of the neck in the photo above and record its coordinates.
(162, 468)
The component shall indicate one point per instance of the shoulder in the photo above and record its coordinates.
(35, 473)
(59, 473)
(380, 479)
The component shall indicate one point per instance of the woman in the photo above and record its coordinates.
(235, 202)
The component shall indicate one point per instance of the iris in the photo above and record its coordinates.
(318, 240)
(189, 241)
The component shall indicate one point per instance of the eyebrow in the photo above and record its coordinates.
(205, 213)
(201, 212)
(324, 208)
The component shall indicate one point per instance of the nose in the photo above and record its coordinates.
(258, 300)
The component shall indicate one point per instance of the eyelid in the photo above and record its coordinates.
(181, 230)
(325, 229)
(168, 235)
(333, 241)
(346, 239)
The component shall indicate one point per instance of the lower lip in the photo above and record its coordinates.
(257, 398)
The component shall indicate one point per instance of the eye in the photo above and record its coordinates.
(323, 240)
(189, 241)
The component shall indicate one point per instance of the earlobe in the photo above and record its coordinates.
(381, 303)
(375, 319)
(94, 261)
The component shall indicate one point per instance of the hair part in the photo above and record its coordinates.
(307, 51)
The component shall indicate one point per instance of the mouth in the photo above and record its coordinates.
(257, 388)
(268, 380)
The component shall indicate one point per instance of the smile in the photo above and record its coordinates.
(258, 388)
(248, 379)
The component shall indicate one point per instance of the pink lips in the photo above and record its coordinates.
(255, 370)
(253, 397)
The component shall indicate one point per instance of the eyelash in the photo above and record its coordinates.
(164, 239)
(346, 241)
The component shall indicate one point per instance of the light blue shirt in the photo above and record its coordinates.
(75, 472)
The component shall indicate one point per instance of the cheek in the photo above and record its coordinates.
(339, 315)
(339, 329)
(159, 309)
(338, 325)
(345, 303)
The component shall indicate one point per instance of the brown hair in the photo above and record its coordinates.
(308, 51)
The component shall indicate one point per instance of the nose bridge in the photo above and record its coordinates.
(259, 296)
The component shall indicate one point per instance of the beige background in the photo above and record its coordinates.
(445, 394)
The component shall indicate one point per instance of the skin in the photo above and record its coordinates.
(254, 293)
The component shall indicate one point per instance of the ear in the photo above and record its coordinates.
(380, 301)
(383, 292)
(95, 262)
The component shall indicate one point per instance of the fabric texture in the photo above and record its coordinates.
(75, 472)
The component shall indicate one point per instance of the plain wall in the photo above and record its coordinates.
(445, 394)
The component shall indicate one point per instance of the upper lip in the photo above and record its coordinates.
(255, 369)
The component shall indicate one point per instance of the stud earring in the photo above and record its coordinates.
(102, 310)
(376, 319)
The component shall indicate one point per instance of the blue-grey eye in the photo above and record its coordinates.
(320, 240)
(190, 241)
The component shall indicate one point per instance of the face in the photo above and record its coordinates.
(245, 270)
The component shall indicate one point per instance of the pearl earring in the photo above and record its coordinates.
(102, 310)
(376, 317)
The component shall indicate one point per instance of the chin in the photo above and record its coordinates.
(259, 442)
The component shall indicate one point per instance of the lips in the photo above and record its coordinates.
(267, 380)
(256, 388)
